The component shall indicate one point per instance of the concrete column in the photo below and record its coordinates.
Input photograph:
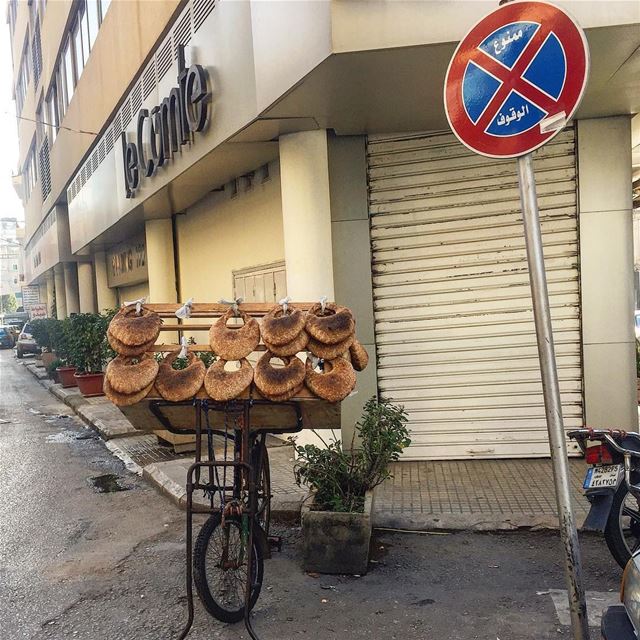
(71, 287)
(50, 292)
(106, 296)
(606, 271)
(351, 249)
(86, 293)
(306, 215)
(61, 294)
(162, 273)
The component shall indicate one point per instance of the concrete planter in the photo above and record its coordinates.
(337, 542)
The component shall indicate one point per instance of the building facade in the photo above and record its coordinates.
(214, 148)
(12, 277)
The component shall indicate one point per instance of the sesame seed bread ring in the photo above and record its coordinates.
(135, 330)
(335, 384)
(359, 356)
(234, 344)
(123, 399)
(129, 375)
(333, 325)
(330, 351)
(276, 381)
(223, 385)
(283, 397)
(176, 385)
(290, 348)
(280, 328)
(125, 350)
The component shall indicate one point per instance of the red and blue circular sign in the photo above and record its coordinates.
(516, 78)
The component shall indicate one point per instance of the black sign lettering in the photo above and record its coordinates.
(161, 133)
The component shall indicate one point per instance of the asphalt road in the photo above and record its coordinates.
(79, 564)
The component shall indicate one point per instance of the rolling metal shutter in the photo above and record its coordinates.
(454, 324)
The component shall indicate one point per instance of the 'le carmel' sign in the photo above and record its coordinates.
(169, 125)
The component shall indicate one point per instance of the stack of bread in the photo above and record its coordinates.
(130, 375)
(326, 335)
(231, 344)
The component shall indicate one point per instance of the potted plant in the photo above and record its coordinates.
(88, 351)
(60, 333)
(337, 526)
(52, 369)
(41, 332)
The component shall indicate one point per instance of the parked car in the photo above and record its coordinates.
(6, 337)
(26, 343)
(622, 621)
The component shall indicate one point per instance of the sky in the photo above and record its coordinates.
(10, 204)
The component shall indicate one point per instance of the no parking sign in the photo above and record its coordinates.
(515, 79)
(512, 84)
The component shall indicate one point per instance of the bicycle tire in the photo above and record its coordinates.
(229, 612)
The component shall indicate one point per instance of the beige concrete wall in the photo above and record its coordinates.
(220, 234)
(351, 250)
(306, 212)
(606, 263)
(133, 292)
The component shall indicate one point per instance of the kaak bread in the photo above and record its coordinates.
(223, 385)
(231, 343)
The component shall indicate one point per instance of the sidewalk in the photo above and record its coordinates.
(470, 494)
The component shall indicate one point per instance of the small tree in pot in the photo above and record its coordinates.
(59, 336)
(41, 330)
(337, 527)
(88, 350)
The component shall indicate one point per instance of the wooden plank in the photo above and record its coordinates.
(214, 309)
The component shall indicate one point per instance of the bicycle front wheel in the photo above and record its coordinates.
(220, 565)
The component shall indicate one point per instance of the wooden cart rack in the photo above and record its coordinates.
(239, 506)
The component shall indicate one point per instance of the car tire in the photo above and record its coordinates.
(19, 354)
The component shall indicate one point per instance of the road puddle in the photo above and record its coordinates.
(107, 483)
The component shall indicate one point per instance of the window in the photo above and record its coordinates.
(23, 77)
(29, 173)
(13, 10)
(39, 124)
(69, 80)
(36, 51)
(78, 49)
(75, 53)
(93, 22)
(51, 113)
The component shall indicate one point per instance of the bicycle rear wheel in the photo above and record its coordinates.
(220, 564)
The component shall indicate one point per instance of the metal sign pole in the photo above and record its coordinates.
(551, 390)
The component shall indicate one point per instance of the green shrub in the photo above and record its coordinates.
(340, 479)
(87, 339)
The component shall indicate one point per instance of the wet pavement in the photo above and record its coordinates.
(76, 562)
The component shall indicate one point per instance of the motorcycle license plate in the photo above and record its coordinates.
(602, 477)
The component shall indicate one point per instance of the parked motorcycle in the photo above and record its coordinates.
(612, 486)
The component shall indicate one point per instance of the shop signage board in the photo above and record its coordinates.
(38, 311)
(30, 296)
(127, 263)
(514, 81)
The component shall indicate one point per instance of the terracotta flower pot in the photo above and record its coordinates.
(90, 384)
(66, 376)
